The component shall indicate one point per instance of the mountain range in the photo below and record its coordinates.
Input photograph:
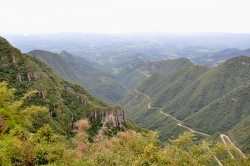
(186, 91)
(46, 120)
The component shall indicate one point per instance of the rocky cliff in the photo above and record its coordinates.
(239, 61)
(109, 118)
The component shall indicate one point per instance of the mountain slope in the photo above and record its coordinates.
(204, 99)
(66, 102)
(78, 70)
(225, 114)
(139, 70)
(160, 88)
(210, 86)
(57, 63)
(171, 85)
(168, 66)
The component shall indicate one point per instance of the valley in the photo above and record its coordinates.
(124, 83)
(175, 97)
(113, 69)
(80, 71)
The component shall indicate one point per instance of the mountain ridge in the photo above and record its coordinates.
(80, 71)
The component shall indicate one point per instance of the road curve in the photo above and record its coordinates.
(138, 71)
(222, 136)
(179, 122)
(142, 73)
(142, 94)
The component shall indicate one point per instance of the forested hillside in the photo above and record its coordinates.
(211, 101)
(139, 70)
(79, 70)
(23, 144)
(66, 102)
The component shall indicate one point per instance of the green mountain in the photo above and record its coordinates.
(160, 88)
(66, 102)
(139, 70)
(226, 115)
(57, 64)
(212, 85)
(211, 101)
(79, 70)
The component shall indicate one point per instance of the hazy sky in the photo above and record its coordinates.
(108, 16)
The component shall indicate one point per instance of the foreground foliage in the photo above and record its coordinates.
(23, 141)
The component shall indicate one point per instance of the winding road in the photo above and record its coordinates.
(179, 123)
(139, 71)
(223, 137)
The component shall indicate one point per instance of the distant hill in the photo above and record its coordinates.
(219, 57)
(57, 63)
(139, 70)
(79, 70)
(212, 100)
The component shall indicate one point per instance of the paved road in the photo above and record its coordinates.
(142, 73)
(142, 94)
(179, 123)
(224, 138)
(138, 71)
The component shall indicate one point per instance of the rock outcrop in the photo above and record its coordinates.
(109, 118)
(239, 61)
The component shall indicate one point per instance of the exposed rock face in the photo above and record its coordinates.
(115, 117)
(82, 98)
(239, 61)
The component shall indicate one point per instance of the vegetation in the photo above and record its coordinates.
(44, 120)
(212, 101)
(78, 70)
(66, 102)
(139, 70)
(24, 143)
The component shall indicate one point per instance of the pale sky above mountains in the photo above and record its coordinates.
(123, 16)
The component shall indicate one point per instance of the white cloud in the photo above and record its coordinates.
(34, 16)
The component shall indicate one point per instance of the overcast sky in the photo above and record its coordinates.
(118, 16)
